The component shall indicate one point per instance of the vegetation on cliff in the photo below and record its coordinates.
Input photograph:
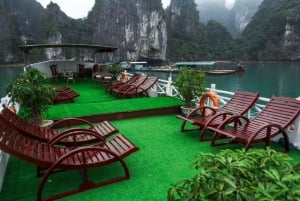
(146, 31)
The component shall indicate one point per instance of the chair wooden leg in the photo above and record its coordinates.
(183, 129)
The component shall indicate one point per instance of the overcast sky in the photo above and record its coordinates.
(79, 8)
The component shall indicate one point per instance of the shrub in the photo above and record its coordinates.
(31, 90)
(190, 84)
(257, 174)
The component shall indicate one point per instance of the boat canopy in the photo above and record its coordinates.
(98, 48)
(138, 65)
(195, 64)
(206, 65)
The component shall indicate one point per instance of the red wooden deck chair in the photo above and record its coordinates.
(53, 159)
(65, 94)
(141, 89)
(239, 104)
(115, 85)
(103, 129)
(123, 88)
(278, 114)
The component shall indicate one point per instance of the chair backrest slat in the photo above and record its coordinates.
(240, 102)
(280, 110)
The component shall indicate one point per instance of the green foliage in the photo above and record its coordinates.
(257, 174)
(31, 90)
(190, 40)
(190, 84)
(219, 41)
(266, 30)
(115, 70)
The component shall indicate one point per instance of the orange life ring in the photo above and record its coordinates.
(211, 95)
(124, 77)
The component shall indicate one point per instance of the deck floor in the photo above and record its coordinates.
(165, 157)
(94, 99)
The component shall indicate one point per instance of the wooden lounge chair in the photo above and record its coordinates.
(65, 94)
(141, 89)
(125, 87)
(239, 104)
(115, 85)
(53, 159)
(278, 114)
(103, 129)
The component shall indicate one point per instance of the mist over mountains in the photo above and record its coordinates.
(187, 30)
(235, 18)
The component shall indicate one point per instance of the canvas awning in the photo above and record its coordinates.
(98, 48)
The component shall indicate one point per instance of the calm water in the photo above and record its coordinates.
(268, 79)
(278, 79)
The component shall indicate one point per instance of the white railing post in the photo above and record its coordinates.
(169, 87)
(209, 101)
(294, 132)
(213, 87)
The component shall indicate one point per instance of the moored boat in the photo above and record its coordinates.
(213, 67)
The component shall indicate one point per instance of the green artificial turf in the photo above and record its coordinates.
(165, 157)
(94, 99)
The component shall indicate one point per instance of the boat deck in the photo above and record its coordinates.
(165, 154)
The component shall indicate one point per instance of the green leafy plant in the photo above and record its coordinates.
(31, 90)
(257, 174)
(115, 70)
(190, 84)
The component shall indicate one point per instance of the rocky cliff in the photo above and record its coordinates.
(142, 30)
(185, 33)
(291, 37)
(234, 17)
(274, 32)
(136, 27)
(19, 21)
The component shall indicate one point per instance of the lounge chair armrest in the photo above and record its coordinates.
(83, 153)
(202, 111)
(224, 116)
(266, 126)
(81, 130)
(71, 134)
(233, 119)
(67, 122)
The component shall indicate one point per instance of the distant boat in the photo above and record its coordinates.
(138, 65)
(212, 67)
